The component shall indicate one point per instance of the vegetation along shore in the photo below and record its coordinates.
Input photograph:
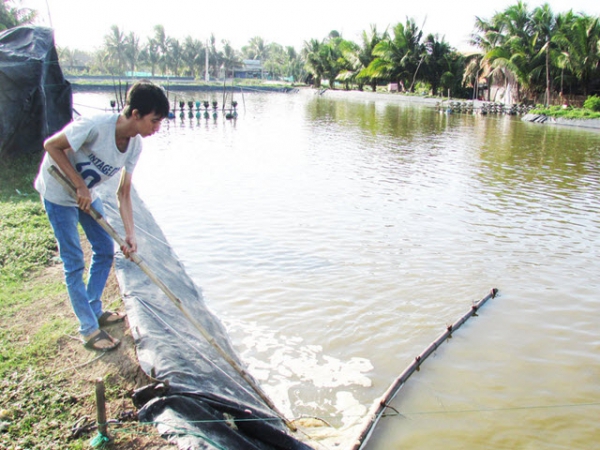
(536, 56)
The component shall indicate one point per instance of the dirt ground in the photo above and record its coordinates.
(78, 372)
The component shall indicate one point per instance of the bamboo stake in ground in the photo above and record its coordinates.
(68, 185)
(101, 408)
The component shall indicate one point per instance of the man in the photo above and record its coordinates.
(89, 151)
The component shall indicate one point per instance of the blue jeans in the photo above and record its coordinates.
(85, 299)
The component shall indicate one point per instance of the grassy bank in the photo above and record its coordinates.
(46, 376)
(566, 113)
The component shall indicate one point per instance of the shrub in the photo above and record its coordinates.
(592, 103)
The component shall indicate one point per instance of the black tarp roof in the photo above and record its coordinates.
(35, 98)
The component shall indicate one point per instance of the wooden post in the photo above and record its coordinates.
(101, 408)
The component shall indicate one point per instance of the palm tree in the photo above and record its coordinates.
(437, 63)
(230, 58)
(276, 60)
(544, 23)
(174, 55)
(487, 36)
(350, 64)
(193, 55)
(215, 57)
(360, 57)
(332, 56)
(132, 51)
(294, 66)
(582, 54)
(312, 54)
(397, 57)
(115, 47)
(561, 39)
(473, 71)
(515, 56)
(258, 50)
(150, 55)
(162, 47)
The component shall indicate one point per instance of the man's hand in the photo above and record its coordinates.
(130, 248)
(84, 198)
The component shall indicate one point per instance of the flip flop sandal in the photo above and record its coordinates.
(103, 335)
(105, 319)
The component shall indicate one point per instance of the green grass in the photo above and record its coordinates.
(26, 239)
(41, 394)
(34, 405)
(566, 113)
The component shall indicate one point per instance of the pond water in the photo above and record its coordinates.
(336, 236)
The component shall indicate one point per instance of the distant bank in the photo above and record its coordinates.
(100, 83)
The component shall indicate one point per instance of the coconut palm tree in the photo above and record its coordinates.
(258, 50)
(215, 57)
(312, 53)
(544, 23)
(397, 57)
(161, 47)
(359, 57)
(193, 55)
(150, 55)
(437, 63)
(294, 66)
(350, 64)
(230, 58)
(115, 49)
(174, 55)
(582, 54)
(132, 51)
(487, 36)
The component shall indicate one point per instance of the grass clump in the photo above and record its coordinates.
(592, 103)
(566, 113)
(26, 239)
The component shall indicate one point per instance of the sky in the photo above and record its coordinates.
(82, 24)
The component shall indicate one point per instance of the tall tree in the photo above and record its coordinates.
(487, 36)
(230, 58)
(132, 51)
(544, 24)
(193, 55)
(162, 47)
(437, 64)
(362, 56)
(150, 55)
(114, 46)
(397, 57)
(582, 54)
(312, 53)
(174, 56)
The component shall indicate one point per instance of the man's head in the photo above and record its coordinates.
(147, 98)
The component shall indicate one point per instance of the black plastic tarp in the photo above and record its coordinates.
(35, 98)
(203, 402)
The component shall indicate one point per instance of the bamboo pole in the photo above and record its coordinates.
(101, 408)
(388, 396)
(66, 183)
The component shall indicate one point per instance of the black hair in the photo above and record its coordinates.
(146, 97)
